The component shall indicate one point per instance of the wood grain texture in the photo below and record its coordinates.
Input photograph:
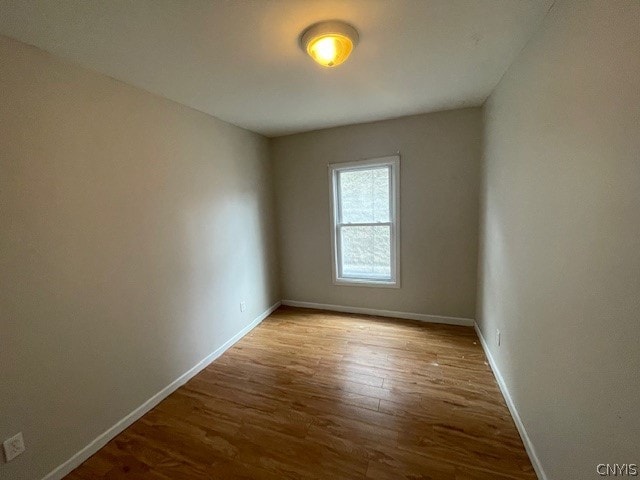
(311, 394)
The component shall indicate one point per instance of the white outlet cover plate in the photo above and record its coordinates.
(13, 446)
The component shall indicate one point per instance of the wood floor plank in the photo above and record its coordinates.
(312, 394)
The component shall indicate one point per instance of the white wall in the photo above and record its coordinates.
(440, 165)
(132, 227)
(560, 237)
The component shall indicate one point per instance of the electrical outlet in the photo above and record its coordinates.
(498, 337)
(243, 306)
(13, 446)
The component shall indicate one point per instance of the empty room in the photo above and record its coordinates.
(319, 239)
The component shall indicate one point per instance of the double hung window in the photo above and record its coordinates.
(365, 223)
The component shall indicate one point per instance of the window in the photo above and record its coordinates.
(364, 221)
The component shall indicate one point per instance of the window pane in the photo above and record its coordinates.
(366, 252)
(364, 195)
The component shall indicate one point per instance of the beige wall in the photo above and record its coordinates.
(440, 156)
(132, 227)
(560, 241)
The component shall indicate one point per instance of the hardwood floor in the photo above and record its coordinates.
(318, 395)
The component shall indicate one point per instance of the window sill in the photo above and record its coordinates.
(354, 282)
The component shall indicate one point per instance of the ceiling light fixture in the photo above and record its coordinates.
(329, 43)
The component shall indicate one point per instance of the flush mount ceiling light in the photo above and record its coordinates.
(329, 43)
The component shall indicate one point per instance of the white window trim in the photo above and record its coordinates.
(394, 162)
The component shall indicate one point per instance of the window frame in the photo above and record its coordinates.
(393, 162)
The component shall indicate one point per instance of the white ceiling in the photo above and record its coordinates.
(240, 60)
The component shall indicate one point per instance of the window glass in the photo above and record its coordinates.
(366, 251)
(364, 195)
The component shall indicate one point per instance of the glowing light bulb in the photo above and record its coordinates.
(326, 51)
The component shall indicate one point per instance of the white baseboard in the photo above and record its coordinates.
(528, 445)
(467, 322)
(102, 439)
